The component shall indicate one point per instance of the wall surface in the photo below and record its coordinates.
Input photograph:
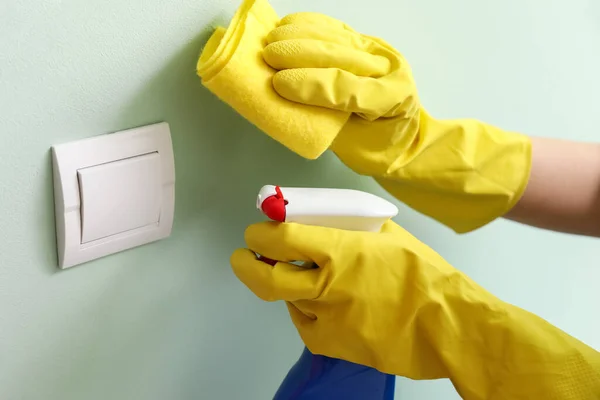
(170, 320)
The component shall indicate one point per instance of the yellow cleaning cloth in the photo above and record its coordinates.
(232, 67)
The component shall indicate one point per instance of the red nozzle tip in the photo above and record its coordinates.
(274, 206)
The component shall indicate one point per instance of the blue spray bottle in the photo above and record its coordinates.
(317, 377)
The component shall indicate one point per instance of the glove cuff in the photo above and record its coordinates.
(462, 173)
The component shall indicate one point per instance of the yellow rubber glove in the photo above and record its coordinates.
(388, 301)
(463, 173)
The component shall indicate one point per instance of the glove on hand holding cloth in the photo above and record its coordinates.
(232, 67)
(325, 85)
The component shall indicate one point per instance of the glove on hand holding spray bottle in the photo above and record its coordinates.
(317, 377)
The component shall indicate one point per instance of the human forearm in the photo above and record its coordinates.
(563, 192)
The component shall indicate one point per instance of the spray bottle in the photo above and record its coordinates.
(317, 377)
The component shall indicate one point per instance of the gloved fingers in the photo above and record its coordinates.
(310, 53)
(283, 281)
(314, 19)
(290, 241)
(310, 328)
(324, 33)
(340, 90)
(301, 313)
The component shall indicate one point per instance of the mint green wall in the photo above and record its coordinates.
(169, 320)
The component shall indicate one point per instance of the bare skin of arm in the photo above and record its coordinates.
(563, 193)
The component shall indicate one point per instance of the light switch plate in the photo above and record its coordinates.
(113, 192)
(120, 196)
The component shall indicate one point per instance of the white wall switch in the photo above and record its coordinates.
(120, 196)
(113, 192)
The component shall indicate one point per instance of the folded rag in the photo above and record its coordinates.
(232, 67)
